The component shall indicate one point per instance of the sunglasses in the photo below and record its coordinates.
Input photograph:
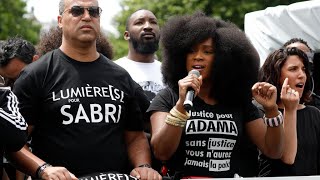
(76, 11)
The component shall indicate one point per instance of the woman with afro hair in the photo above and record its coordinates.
(205, 140)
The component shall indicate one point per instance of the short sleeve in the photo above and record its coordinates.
(164, 101)
(252, 112)
(13, 134)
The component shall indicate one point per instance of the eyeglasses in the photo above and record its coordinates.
(94, 11)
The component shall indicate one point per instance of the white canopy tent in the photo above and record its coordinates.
(269, 29)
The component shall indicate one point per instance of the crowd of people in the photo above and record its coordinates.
(68, 111)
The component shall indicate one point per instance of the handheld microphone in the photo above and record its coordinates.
(187, 104)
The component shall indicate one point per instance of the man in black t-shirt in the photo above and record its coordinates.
(81, 107)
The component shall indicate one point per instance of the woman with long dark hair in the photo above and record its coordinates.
(302, 133)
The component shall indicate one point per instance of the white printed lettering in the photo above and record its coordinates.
(63, 112)
(196, 163)
(111, 114)
(96, 111)
(221, 144)
(81, 114)
(199, 143)
(200, 126)
(195, 153)
(219, 165)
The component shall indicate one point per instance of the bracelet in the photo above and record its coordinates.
(174, 121)
(273, 122)
(174, 112)
(145, 165)
(41, 169)
(176, 118)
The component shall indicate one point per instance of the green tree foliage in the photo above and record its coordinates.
(16, 21)
(230, 10)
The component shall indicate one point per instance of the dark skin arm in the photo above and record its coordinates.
(139, 154)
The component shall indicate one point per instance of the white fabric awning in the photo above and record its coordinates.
(269, 29)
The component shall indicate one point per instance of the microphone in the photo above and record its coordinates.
(187, 104)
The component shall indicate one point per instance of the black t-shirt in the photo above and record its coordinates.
(210, 145)
(315, 100)
(80, 111)
(307, 161)
(13, 134)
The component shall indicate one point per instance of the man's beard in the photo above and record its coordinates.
(142, 47)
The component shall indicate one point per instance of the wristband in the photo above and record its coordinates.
(41, 169)
(175, 113)
(174, 121)
(273, 122)
(145, 165)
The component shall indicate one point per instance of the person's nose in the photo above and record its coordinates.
(302, 74)
(86, 14)
(147, 26)
(198, 56)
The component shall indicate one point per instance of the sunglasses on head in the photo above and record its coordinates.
(94, 11)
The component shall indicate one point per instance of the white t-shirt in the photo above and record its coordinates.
(147, 75)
